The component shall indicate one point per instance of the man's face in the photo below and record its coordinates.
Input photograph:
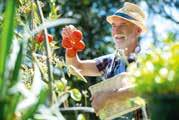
(124, 33)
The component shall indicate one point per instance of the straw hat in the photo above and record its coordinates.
(132, 13)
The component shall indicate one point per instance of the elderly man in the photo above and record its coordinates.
(127, 25)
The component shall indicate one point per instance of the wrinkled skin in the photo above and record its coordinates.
(125, 34)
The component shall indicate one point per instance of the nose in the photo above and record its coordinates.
(116, 30)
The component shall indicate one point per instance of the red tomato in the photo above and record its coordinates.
(79, 45)
(76, 36)
(66, 43)
(50, 38)
(71, 52)
(40, 38)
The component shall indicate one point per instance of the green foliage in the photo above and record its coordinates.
(158, 70)
(6, 40)
(81, 117)
(32, 109)
(5, 44)
(36, 64)
(75, 94)
(11, 56)
(19, 66)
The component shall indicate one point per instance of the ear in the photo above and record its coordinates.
(138, 31)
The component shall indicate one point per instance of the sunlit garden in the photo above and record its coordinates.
(40, 74)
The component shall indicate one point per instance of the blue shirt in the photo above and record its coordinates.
(111, 66)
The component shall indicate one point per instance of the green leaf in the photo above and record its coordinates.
(12, 106)
(3, 105)
(81, 117)
(60, 85)
(29, 113)
(170, 38)
(17, 66)
(74, 71)
(6, 39)
(75, 94)
(137, 100)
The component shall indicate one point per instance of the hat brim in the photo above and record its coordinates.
(139, 24)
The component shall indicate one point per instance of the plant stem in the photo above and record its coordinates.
(41, 70)
(47, 49)
(84, 109)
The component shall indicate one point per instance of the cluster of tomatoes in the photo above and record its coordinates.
(40, 37)
(73, 43)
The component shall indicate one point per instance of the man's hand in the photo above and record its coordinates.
(102, 99)
(72, 40)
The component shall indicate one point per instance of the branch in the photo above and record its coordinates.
(41, 70)
(47, 49)
(49, 24)
(169, 16)
(85, 109)
(162, 12)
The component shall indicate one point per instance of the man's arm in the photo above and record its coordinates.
(85, 67)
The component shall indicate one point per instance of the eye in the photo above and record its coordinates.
(124, 24)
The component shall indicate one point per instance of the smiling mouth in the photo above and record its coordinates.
(119, 37)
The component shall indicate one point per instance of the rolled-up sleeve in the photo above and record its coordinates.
(102, 62)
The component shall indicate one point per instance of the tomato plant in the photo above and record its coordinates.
(37, 73)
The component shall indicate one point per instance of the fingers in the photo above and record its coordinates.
(72, 27)
(64, 33)
(67, 30)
